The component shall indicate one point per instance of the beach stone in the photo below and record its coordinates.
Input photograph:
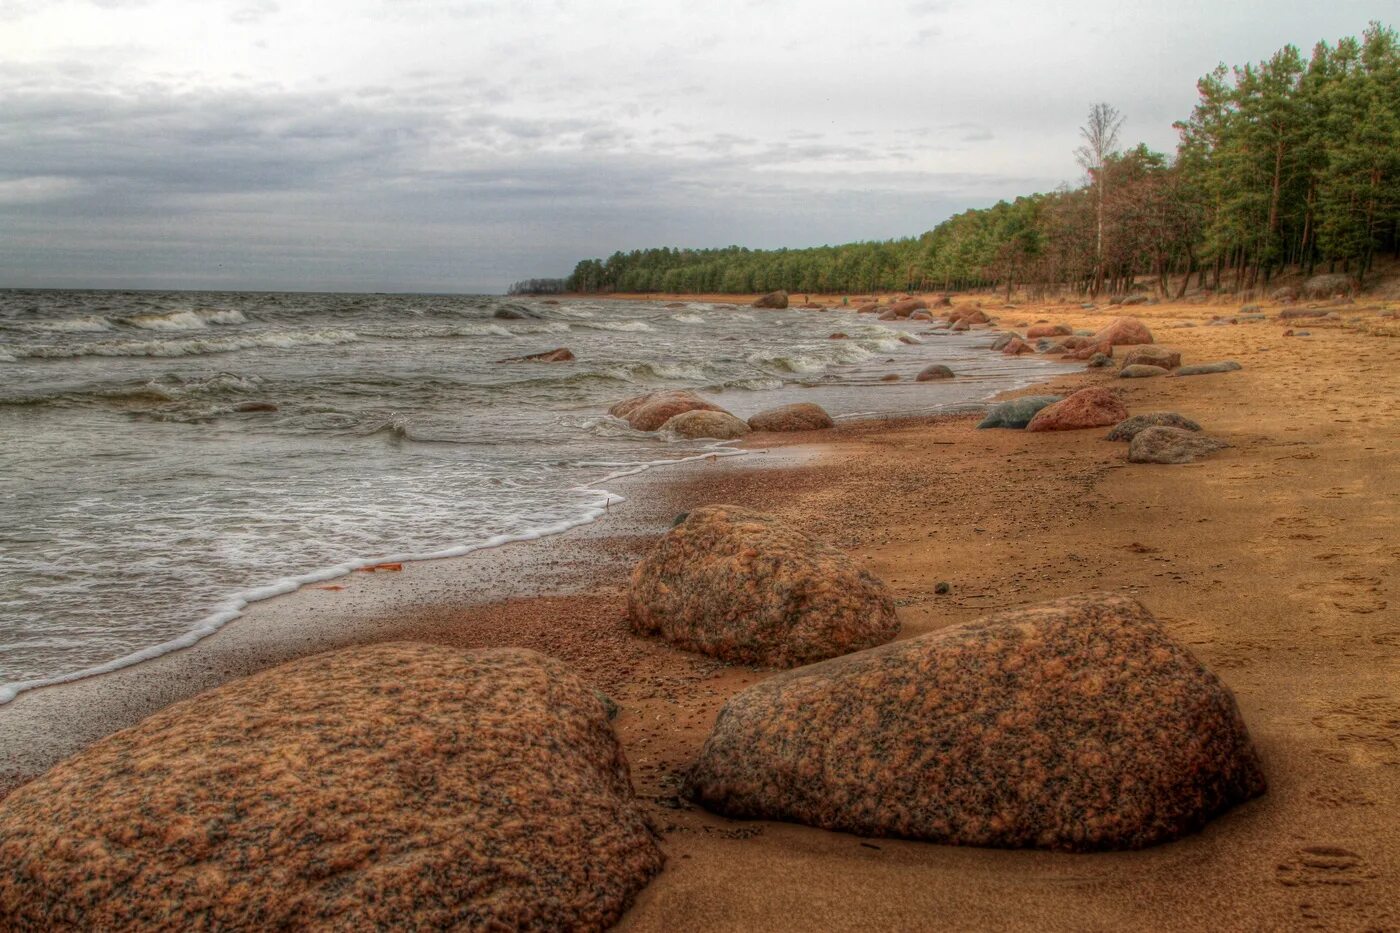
(1289, 314)
(720, 425)
(255, 407)
(1089, 350)
(921, 316)
(1093, 407)
(1134, 300)
(869, 308)
(1002, 340)
(745, 587)
(1171, 445)
(1076, 725)
(1201, 369)
(1100, 360)
(838, 336)
(1124, 330)
(1128, 429)
(1049, 330)
(1016, 347)
(970, 315)
(1151, 355)
(936, 371)
(366, 788)
(1141, 371)
(961, 325)
(650, 411)
(890, 377)
(1018, 412)
(776, 300)
(887, 315)
(561, 355)
(801, 416)
(1286, 293)
(908, 306)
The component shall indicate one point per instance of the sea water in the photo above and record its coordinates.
(166, 458)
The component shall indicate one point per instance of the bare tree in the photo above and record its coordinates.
(1100, 141)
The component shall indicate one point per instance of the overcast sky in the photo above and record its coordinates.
(459, 145)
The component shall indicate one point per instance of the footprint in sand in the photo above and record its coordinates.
(1323, 865)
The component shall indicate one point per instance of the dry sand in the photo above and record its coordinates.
(1275, 561)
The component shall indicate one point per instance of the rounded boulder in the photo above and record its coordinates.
(936, 371)
(650, 411)
(1078, 725)
(1088, 408)
(720, 425)
(360, 789)
(1171, 445)
(801, 416)
(744, 587)
(1129, 429)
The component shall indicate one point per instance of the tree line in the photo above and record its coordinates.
(1288, 164)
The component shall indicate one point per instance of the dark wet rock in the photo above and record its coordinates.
(802, 416)
(650, 411)
(259, 407)
(745, 587)
(776, 300)
(1171, 445)
(936, 371)
(366, 788)
(1077, 725)
(1002, 340)
(561, 355)
(1201, 369)
(1151, 355)
(1100, 360)
(514, 313)
(719, 425)
(1093, 407)
(1018, 412)
(1128, 429)
(1141, 371)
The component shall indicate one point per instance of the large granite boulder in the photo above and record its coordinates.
(1124, 330)
(908, 306)
(801, 416)
(398, 785)
(1150, 355)
(650, 411)
(1088, 408)
(720, 425)
(1171, 445)
(745, 587)
(1049, 330)
(776, 300)
(1018, 412)
(1078, 725)
(1130, 428)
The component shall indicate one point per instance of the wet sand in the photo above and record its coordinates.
(1275, 561)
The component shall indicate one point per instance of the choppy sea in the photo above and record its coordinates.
(167, 457)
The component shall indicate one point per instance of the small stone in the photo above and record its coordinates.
(1171, 445)
(1130, 428)
(1141, 371)
(1201, 369)
(942, 589)
(936, 371)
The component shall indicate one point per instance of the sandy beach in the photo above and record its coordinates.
(1274, 560)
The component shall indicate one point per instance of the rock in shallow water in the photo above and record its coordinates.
(376, 787)
(802, 416)
(650, 411)
(1075, 725)
(742, 586)
(1171, 445)
(719, 425)
(936, 371)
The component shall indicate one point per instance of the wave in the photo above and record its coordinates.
(193, 346)
(810, 360)
(90, 324)
(626, 326)
(689, 318)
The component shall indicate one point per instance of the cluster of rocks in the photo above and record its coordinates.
(686, 414)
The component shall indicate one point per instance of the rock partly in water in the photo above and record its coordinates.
(1093, 407)
(1202, 369)
(1002, 340)
(1130, 428)
(1016, 347)
(650, 411)
(361, 789)
(776, 300)
(908, 306)
(1124, 330)
(1078, 725)
(1171, 445)
(720, 425)
(1151, 355)
(1141, 371)
(1018, 412)
(936, 371)
(561, 355)
(260, 407)
(744, 587)
(802, 416)
(1099, 361)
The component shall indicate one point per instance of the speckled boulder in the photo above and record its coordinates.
(1171, 445)
(744, 587)
(1078, 725)
(1049, 330)
(398, 785)
(650, 411)
(1018, 412)
(720, 425)
(1151, 355)
(1124, 330)
(1141, 371)
(1016, 346)
(936, 371)
(1129, 429)
(1088, 408)
(802, 416)
(776, 300)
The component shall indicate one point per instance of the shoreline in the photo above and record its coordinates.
(1274, 561)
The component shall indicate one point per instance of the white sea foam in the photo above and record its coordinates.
(89, 324)
(625, 326)
(195, 346)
